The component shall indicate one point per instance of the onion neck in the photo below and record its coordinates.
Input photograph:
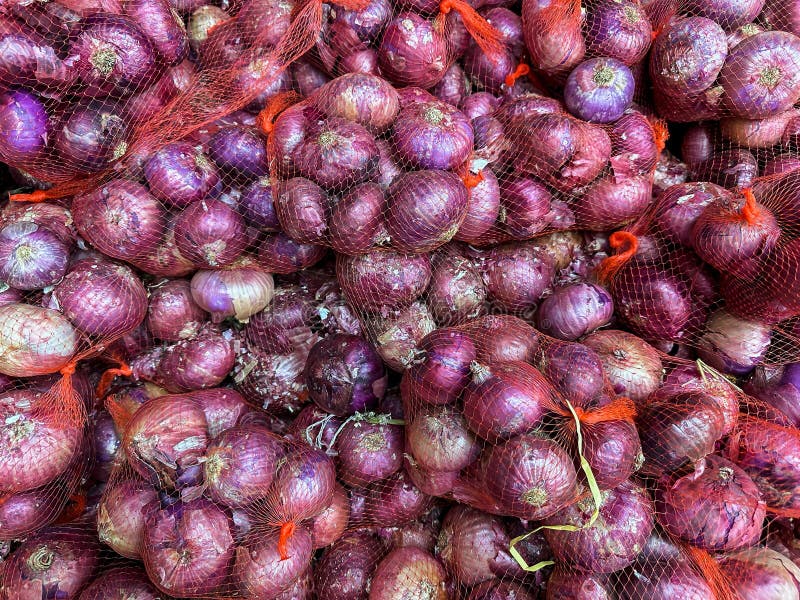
(104, 60)
(480, 373)
(603, 76)
(535, 497)
(41, 559)
(770, 77)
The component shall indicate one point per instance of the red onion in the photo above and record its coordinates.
(398, 335)
(517, 275)
(382, 279)
(483, 209)
(262, 571)
(677, 431)
(57, 561)
(308, 78)
(34, 341)
(162, 26)
(302, 208)
(257, 207)
(479, 104)
(282, 255)
(93, 136)
(330, 524)
(574, 310)
(223, 408)
(173, 314)
(274, 382)
(239, 291)
(121, 515)
(304, 484)
(24, 512)
(180, 174)
(362, 98)
(729, 168)
(611, 202)
(768, 453)
(413, 52)
(505, 399)
(345, 569)
(432, 135)
(612, 450)
(101, 298)
(202, 361)
(553, 37)
(443, 370)
(395, 501)
(681, 205)
(620, 30)
(783, 163)
(456, 293)
(728, 14)
(120, 582)
(781, 391)
(439, 440)
(758, 133)
(432, 483)
(31, 257)
(760, 573)
(698, 45)
(599, 90)
(410, 572)
(663, 580)
(733, 345)
(165, 438)
(632, 366)
(188, 548)
(120, 218)
(239, 150)
(25, 125)
(453, 87)
(525, 206)
(760, 76)
(356, 222)
(265, 20)
(210, 234)
(717, 508)
(489, 73)
(55, 218)
(575, 370)
(614, 540)
(368, 451)
(530, 477)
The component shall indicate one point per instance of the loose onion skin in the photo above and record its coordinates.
(614, 540)
(240, 464)
(444, 370)
(368, 452)
(505, 399)
(517, 275)
(346, 567)
(529, 476)
(717, 508)
(58, 561)
(761, 574)
(410, 571)
(31, 257)
(121, 515)
(632, 366)
(574, 310)
(259, 570)
(344, 374)
(172, 313)
(34, 341)
(382, 279)
(456, 293)
(188, 547)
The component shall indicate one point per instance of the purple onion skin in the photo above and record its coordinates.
(783, 163)
(412, 52)
(530, 477)
(356, 221)
(761, 76)
(302, 208)
(304, 485)
(257, 205)
(361, 98)
(574, 310)
(162, 26)
(344, 374)
(240, 465)
(408, 569)
(575, 370)
(566, 583)
(397, 335)
(346, 567)
(112, 54)
(121, 219)
(92, 136)
(599, 90)
(697, 42)
(525, 206)
(716, 508)
(307, 77)
(56, 218)
(198, 529)
(330, 524)
(31, 257)
(196, 363)
(490, 74)
(497, 589)
(633, 145)
(614, 540)
(240, 151)
(444, 370)
(733, 345)
(483, 209)
(368, 452)
(730, 169)
(517, 275)
(439, 440)
(210, 234)
(728, 14)
(172, 313)
(180, 174)
(505, 399)
(610, 203)
(101, 298)
(30, 59)
(368, 22)
(24, 512)
(757, 573)
(105, 441)
(382, 279)
(121, 515)
(432, 135)
(56, 563)
(782, 393)
(425, 209)
(479, 104)
(25, 126)
(282, 255)
(121, 582)
(665, 580)
(613, 451)
(395, 501)
(620, 30)
(453, 87)
(681, 205)
(456, 293)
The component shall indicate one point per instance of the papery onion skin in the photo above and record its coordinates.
(620, 30)
(257, 205)
(188, 547)
(121, 219)
(502, 338)
(240, 291)
(728, 14)
(122, 582)
(456, 292)
(304, 485)
(681, 205)
(330, 524)
(483, 209)
(761, 574)
(717, 508)
(613, 451)
(444, 370)
(554, 39)
(734, 345)
(439, 440)
(282, 255)
(382, 279)
(408, 569)
(172, 313)
(574, 310)
(223, 408)
(395, 501)
(24, 512)
(210, 234)
(530, 477)
(356, 221)
(202, 361)
(240, 464)
(92, 136)
(412, 52)
(516, 276)
(432, 135)
(599, 90)
(433, 483)
(632, 366)
(612, 202)
(302, 208)
(239, 150)
(362, 98)
(368, 452)
(614, 540)
(121, 515)
(34, 341)
(736, 168)
(58, 561)
(101, 298)
(453, 87)
(525, 206)
(180, 174)
(162, 26)
(575, 370)
(760, 76)
(345, 568)
(398, 335)
(31, 257)
(25, 125)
